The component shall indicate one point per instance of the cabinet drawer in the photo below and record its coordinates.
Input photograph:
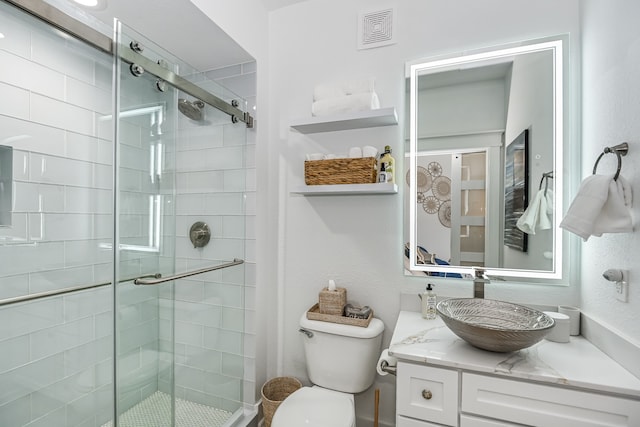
(544, 406)
(410, 422)
(427, 393)
(470, 421)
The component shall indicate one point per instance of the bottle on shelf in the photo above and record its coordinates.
(382, 175)
(387, 166)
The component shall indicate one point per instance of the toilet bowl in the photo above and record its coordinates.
(315, 407)
(341, 360)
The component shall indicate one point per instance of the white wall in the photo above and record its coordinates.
(532, 79)
(610, 88)
(358, 240)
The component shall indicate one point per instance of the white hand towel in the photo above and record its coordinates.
(587, 205)
(539, 213)
(615, 216)
(601, 206)
(346, 104)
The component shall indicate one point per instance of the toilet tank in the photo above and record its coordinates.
(341, 357)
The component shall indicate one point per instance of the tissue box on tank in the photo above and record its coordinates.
(332, 302)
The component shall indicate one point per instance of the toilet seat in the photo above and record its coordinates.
(315, 407)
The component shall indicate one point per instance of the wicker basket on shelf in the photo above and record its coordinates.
(340, 171)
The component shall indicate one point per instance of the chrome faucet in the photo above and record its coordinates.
(478, 283)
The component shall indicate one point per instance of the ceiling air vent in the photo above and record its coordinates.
(375, 29)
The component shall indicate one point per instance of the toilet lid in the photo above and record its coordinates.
(315, 407)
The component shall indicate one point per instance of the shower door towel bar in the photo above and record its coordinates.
(159, 280)
(56, 292)
(150, 279)
(130, 56)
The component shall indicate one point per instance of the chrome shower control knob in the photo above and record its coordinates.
(199, 234)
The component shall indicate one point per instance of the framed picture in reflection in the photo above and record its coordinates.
(516, 190)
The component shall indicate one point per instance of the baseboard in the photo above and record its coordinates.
(248, 417)
(615, 345)
(365, 422)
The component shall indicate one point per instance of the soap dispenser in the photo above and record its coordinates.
(429, 303)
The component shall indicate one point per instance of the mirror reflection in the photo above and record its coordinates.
(485, 140)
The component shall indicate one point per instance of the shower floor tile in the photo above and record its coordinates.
(155, 411)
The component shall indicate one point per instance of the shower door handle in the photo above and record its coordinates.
(142, 281)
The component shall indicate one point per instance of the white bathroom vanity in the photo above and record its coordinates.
(444, 381)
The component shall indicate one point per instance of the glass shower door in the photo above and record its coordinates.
(179, 344)
(145, 235)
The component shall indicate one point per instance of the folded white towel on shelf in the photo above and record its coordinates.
(346, 104)
(328, 91)
(340, 89)
(354, 86)
(539, 213)
(601, 206)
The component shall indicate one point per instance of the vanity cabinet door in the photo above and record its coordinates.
(427, 393)
(544, 406)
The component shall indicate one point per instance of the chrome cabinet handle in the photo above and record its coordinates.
(426, 394)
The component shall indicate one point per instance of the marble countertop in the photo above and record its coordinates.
(577, 363)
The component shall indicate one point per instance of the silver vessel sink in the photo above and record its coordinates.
(494, 325)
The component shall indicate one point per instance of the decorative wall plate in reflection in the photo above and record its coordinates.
(444, 213)
(435, 169)
(423, 179)
(431, 205)
(441, 188)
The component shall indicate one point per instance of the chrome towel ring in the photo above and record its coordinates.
(619, 150)
(545, 178)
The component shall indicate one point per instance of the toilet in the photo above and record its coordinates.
(341, 361)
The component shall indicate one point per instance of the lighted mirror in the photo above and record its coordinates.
(483, 174)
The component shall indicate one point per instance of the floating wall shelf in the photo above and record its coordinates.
(346, 189)
(358, 120)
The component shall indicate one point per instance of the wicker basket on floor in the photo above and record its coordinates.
(340, 171)
(274, 392)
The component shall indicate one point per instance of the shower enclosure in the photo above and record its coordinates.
(122, 280)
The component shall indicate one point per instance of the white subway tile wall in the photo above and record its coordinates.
(56, 364)
(215, 178)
